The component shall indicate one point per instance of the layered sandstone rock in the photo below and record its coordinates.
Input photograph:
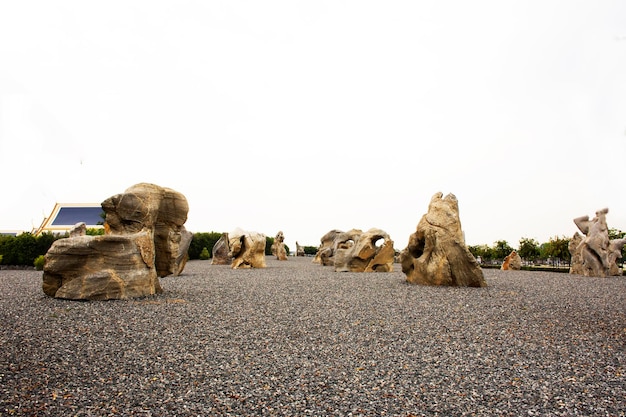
(357, 251)
(145, 239)
(221, 251)
(278, 247)
(436, 253)
(595, 255)
(512, 261)
(247, 249)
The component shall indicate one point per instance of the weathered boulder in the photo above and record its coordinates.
(299, 249)
(101, 267)
(151, 207)
(596, 255)
(247, 249)
(436, 253)
(278, 247)
(357, 251)
(325, 252)
(221, 251)
(144, 239)
(512, 261)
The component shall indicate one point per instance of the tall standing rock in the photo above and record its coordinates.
(436, 253)
(278, 247)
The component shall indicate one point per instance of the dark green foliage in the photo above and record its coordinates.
(528, 249)
(25, 248)
(310, 250)
(556, 249)
(269, 241)
(501, 249)
(482, 251)
(199, 241)
(39, 261)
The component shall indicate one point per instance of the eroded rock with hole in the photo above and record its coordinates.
(357, 251)
(436, 253)
(144, 239)
(595, 255)
(278, 247)
(247, 249)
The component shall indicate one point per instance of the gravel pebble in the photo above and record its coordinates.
(298, 339)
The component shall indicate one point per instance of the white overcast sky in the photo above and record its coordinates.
(307, 116)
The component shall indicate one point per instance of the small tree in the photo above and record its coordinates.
(528, 249)
(558, 249)
(501, 249)
(483, 251)
(204, 254)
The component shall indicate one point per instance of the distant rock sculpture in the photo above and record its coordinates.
(576, 261)
(512, 261)
(299, 249)
(436, 253)
(79, 229)
(615, 253)
(357, 251)
(596, 255)
(144, 239)
(278, 247)
(220, 253)
(325, 251)
(247, 249)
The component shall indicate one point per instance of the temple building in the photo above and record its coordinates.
(65, 215)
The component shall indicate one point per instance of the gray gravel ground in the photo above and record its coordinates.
(299, 339)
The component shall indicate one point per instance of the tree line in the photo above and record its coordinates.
(555, 251)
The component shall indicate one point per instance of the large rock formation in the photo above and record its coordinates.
(278, 247)
(436, 253)
(357, 251)
(512, 261)
(144, 239)
(221, 251)
(247, 249)
(595, 255)
(325, 252)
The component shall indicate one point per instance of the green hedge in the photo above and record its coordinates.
(24, 249)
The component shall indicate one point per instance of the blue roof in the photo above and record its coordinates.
(72, 215)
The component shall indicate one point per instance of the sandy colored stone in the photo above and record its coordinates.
(144, 239)
(436, 253)
(247, 249)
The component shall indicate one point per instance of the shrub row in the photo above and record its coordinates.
(28, 249)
